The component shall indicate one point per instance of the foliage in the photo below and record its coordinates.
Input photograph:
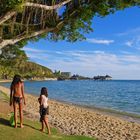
(6, 5)
(13, 61)
(57, 73)
(69, 23)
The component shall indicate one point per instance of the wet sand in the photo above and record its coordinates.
(76, 120)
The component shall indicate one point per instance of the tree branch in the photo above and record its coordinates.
(6, 42)
(7, 16)
(46, 7)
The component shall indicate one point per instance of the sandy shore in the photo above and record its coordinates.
(4, 81)
(76, 120)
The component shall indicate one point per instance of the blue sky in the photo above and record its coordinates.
(113, 48)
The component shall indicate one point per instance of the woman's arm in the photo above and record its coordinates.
(41, 100)
(22, 90)
(11, 97)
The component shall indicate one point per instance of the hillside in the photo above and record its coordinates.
(28, 70)
(13, 61)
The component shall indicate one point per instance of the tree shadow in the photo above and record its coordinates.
(31, 127)
(4, 122)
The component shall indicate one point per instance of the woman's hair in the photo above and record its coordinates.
(16, 80)
(44, 91)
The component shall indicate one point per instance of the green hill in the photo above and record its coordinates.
(13, 61)
(28, 70)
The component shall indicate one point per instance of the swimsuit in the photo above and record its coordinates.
(17, 100)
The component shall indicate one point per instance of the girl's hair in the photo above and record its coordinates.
(16, 80)
(44, 91)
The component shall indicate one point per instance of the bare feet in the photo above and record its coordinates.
(15, 126)
(49, 133)
(21, 126)
(42, 130)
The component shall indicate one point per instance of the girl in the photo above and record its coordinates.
(44, 109)
(17, 98)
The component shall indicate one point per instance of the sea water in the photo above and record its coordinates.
(118, 95)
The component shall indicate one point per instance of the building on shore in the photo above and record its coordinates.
(66, 74)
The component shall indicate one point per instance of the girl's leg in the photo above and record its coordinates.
(42, 126)
(21, 115)
(15, 114)
(47, 125)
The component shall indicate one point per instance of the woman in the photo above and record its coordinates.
(17, 98)
(44, 109)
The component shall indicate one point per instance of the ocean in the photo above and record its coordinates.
(116, 95)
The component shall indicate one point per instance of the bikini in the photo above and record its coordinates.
(17, 100)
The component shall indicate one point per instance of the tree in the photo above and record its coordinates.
(54, 19)
(13, 61)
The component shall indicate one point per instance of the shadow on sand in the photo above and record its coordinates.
(31, 127)
(4, 122)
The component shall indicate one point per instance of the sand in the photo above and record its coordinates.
(75, 120)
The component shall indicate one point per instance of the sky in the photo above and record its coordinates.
(113, 48)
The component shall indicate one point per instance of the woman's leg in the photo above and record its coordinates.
(42, 126)
(15, 113)
(21, 115)
(47, 124)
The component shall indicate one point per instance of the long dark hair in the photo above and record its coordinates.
(44, 91)
(16, 80)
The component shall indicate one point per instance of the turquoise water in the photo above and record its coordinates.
(119, 95)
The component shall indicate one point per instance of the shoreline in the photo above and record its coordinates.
(5, 81)
(131, 117)
(77, 120)
(46, 79)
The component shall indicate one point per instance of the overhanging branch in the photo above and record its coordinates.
(13, 41)
(7, 16)
(46, 7)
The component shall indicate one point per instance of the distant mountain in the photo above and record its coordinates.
(28, 70)
(33, 71)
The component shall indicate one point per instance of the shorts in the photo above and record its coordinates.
(43, 112)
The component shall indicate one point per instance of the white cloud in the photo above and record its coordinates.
(32, 50)
(91, 63)
(100, 41)
(134, 42)
(132, 36)
(130, 32)
(129, 43)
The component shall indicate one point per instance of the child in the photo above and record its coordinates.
(44, 109)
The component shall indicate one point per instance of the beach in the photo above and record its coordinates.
(76, 120)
